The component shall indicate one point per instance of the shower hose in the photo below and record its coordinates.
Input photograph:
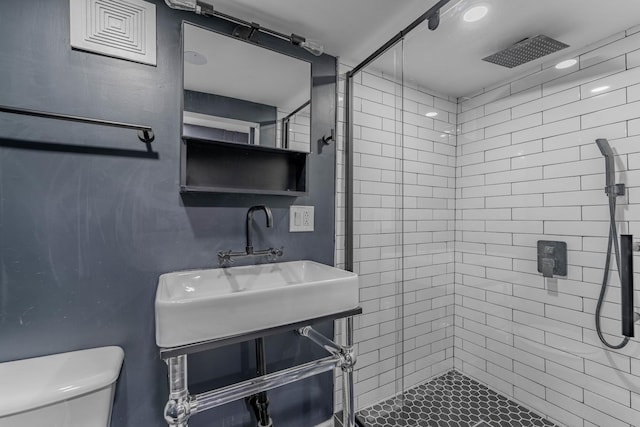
(613, 241)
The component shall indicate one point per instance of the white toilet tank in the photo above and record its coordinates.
(62, 390)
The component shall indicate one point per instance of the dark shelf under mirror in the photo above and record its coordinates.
(223, 167)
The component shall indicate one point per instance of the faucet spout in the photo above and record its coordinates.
(227, 257)
(267, 212)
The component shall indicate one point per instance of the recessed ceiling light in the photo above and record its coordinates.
(600, 89)
(194, 58)
(444, 135)
(475, 13)
(566, 64)
(431, 114)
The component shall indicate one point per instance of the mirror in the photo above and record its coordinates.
(238, 92)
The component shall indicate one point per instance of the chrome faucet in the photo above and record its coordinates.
(272, 253)
(252, 209)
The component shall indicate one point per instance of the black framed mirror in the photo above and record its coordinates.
(239, 92)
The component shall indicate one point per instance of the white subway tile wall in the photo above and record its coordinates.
(299, 130)
(526, 169)
(530, 338)
(404, 180)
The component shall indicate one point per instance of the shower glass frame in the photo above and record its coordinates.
(353, 212)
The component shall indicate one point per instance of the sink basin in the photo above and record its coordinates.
(200, 305)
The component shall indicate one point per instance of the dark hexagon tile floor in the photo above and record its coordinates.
(451, 400)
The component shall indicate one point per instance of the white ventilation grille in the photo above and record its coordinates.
(119, 28)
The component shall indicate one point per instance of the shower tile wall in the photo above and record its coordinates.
(528, 169)
(299, 130)
(403, 229)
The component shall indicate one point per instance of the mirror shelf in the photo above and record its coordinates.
(223, 167)
(246, 121)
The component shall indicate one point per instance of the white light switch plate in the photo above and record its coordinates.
(301, 218)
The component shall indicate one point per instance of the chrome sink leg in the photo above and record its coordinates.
(179, 406)
(346, 361)
(348, 401)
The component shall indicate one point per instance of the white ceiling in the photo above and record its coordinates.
(447, 60)
(352, 29)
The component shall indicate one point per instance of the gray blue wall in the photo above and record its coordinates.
(88, 221)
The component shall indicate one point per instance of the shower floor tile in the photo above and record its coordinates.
(451, 400)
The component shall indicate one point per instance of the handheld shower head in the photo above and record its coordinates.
(604, 147)
(611, 188)
(624, 262)
(610, 167)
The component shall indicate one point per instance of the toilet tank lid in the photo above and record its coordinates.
(31, 383)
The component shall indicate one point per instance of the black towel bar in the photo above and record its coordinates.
(145, 133)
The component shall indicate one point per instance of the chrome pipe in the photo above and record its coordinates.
(348, 331)
(178, 377)
(179, 407)
(348, 398)
(222, 396)
(347, 360)
(321, 340)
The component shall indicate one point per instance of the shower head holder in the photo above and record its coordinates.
(615, 189)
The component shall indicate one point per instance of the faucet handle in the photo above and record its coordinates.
(276, 253)
(224, 258)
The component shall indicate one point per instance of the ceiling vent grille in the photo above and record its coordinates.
(118, 28)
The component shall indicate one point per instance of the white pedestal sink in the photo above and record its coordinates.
(201, 305)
